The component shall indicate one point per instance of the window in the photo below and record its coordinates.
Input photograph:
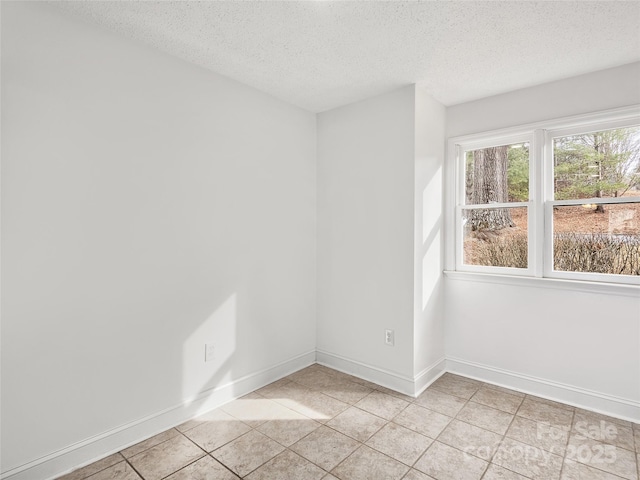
(557, 200)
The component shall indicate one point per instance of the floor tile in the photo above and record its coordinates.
(454, 377)
(325, 447)
(470, 439)
(422, 420)
(287, 465)
(313, 378)
(150, 442)
(598, 427)
(382, 405)
(450, 431)
(528, 460)
(538, 434)
(283, 391)
(357, 423)
(119, 471)
(256, 411)
(399, 443)
(456, 385)
(503, 389)
(541, 410)
(366, 383)
(551, 403)
(485, 417)
(220, 428)
(95, 467)
(441, 402)
(273, 386)
(495, 472)
(367, 464)
(417, 475)
(248, 452)
(577, 471)
(443, 462)
(166, 458)
(593, 417)
(288, 432)
(497, 399)
(315, 405)
(345, 391)
(204, 469)
(393, 393)
(609, 458)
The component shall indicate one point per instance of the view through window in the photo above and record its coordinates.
(566, 205)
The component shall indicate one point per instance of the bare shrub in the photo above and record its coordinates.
(597, 253)
(594, 252)
(510, 251)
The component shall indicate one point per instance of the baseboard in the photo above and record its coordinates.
(579, 397)
(429, 375)
(112, 441)
(386, 378)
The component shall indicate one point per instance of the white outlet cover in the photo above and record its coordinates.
(389, 337)
(208, 352)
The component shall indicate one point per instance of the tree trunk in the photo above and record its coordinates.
(490, 186)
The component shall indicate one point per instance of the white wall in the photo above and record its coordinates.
(602, 90)
(365, 234)
(429, 319)
(580, 347)
(148, 207)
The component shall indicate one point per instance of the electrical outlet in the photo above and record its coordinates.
(208, 352)
(389, 337)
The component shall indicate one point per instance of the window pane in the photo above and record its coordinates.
(496, 237)
(594, 239)
(497, 174)
(598, 164)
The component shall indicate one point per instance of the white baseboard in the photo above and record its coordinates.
(579, 397)
(112, 441)
(386, 378)
(429, 375)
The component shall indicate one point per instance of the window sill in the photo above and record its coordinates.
(552, 283)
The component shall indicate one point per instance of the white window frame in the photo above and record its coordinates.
(541, 198)
(460, 202)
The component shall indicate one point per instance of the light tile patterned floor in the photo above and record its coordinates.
(320, 424)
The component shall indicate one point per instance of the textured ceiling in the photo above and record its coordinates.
(322, 54)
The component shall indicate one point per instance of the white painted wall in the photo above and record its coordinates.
(365, 232)
(589, 342)
(428, 257)
(148, 206)
(592, 92)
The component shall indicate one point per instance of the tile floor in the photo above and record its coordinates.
(320, 424)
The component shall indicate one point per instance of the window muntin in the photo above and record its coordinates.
(550, 192)
(493, 206)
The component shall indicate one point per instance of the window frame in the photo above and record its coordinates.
(461, 205)
(541, 196)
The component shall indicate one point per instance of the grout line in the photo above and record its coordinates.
(134, 468)
(566, 446)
